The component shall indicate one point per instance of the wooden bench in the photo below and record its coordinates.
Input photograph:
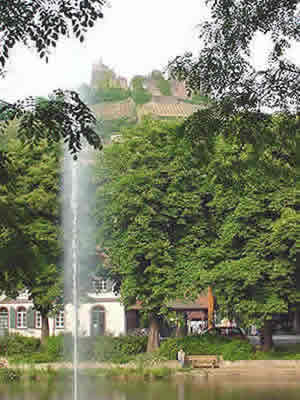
(202, 361)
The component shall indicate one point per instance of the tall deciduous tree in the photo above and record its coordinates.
(30, 248)
(151, 210)
(251, 264)
(183, 208)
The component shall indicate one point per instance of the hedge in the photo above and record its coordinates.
(14, 345)
(56, 348)
(230, 349)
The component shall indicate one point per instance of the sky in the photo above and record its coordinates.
(135, 37)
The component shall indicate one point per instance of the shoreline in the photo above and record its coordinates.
(243, 368)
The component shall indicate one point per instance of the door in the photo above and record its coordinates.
(98, 321)
(3, 321)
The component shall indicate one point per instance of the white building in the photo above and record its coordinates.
(101, 313)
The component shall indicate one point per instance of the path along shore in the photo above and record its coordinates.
(287, 369)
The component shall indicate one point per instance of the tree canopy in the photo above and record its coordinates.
(223, 68)
(179, 212)
(148, 203)
(30, 233)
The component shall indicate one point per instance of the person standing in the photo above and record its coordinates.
(181, 357)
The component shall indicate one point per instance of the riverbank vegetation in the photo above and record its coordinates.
(19, 350)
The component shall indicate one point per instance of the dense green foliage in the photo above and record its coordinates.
(118, 349)
(56, 348)
(93, 95)
(162, 83)
(149, 191)
(198, 99)
(107, 128)
(223, 68)
(139, 94)
(250, 182)
(230, 349)
(18, 345)
(9, 375)
(30, 248)
(20, 348)
(123, 349)
(183, 207)
(287, 352)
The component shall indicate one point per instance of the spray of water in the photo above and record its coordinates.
(74, 207)
(71, 262)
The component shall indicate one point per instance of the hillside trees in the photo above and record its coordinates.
(223, 68)
(152, 213)
(30, 248)
(139, 94)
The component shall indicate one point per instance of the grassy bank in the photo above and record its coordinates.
(122, 350)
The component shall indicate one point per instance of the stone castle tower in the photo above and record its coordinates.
(102, 72)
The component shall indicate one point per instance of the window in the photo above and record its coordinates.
(23, 295)
(21, 318)
(3, 319)
(60, 320)
(38, 320)
(100, 285)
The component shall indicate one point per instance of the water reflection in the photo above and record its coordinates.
(101, 389)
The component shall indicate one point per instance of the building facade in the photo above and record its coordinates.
(100, 313)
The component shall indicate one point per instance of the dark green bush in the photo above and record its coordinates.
(106, 348)
(8, 375)
(53, 347)
(56, 348)
(118, 349)
(207, 345)
(16, 345)
(141, 96)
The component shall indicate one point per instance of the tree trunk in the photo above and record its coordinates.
(179, 330)
(297, 321)
(181, 327)
(45, 328)
(267, 336)
(153, 338)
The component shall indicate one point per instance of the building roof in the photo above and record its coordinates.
(201, 303)
(110, 110)
(8, 300)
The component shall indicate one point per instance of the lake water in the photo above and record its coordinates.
(105, 389)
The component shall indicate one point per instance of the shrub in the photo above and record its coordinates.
(141, 96)
(14, 345)
(118, 349)
(53, 348)
(230, 349)
(8, 375)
